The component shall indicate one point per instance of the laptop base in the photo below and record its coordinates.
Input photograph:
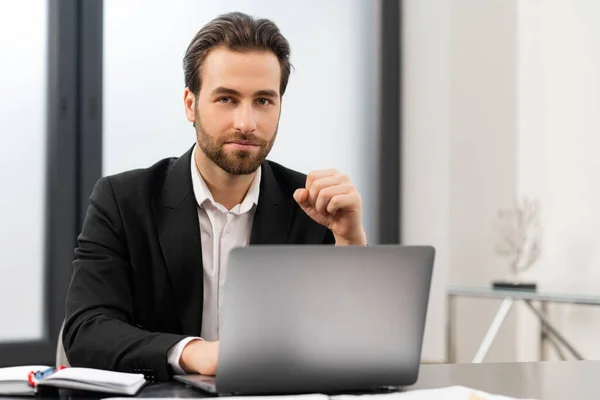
(208, 384)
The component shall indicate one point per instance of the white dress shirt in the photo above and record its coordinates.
(221, 230)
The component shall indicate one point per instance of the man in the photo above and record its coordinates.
(151, 260)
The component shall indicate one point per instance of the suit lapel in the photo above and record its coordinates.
(176, 216)
(274, 212)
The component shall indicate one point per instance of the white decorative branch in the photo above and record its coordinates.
(520, 235)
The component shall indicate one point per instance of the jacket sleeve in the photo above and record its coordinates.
(100, 330)
(329, 238)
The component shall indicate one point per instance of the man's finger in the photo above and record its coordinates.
(313, 213)
(301, 196)
(322, 183)
(314, 175)
(326, 194)
(341, 202)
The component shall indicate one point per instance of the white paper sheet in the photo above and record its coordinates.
(447, 393)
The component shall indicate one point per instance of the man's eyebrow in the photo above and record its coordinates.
(233, 92)
(224, 90)
(266, 93)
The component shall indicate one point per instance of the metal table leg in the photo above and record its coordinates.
(492, 331)
(547, 338)
(551, 329)
(543, 334)
(450, 350)
(555, 345)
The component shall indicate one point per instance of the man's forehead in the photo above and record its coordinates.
(242, 71)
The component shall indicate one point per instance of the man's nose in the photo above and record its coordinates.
(245, 120)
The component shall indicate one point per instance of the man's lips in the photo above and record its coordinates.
(242, 144)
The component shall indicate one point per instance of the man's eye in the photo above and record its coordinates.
(225, 100)
(263, 101)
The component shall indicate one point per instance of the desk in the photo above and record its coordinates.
(548, 331)
(550, 380)
(557, 380)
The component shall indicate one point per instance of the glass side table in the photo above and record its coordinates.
(548, 333)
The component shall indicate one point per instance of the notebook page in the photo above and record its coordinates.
(105, 388)
(97, 377)
(19, 373)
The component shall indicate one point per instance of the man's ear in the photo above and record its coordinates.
(189, 102)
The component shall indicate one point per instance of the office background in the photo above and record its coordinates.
(108, 85)
(441, 111)
(501, 101)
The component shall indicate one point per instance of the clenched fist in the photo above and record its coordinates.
(330, 199)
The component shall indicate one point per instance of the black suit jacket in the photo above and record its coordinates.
(137, 285)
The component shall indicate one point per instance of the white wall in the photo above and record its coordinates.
(22, 201)
(504, 103)
(425, 149)
(482, 159)
(329, 117)
(559, 121)
(459, 154)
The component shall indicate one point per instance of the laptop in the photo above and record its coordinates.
(321, 319)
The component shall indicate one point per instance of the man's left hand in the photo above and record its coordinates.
(331, 200)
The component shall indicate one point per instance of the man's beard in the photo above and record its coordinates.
(237, 162)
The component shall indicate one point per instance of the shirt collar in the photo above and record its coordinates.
(203, 194)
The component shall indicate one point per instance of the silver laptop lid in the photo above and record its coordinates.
(323, 318)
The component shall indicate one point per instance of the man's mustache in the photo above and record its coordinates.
(247, 138)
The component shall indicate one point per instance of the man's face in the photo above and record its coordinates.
(237, 110)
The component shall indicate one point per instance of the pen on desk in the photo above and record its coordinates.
(38, 375)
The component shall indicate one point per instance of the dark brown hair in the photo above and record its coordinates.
(239, 32)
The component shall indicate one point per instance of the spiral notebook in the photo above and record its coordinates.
(26, 380)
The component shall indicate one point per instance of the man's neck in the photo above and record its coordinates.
(226, 189)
